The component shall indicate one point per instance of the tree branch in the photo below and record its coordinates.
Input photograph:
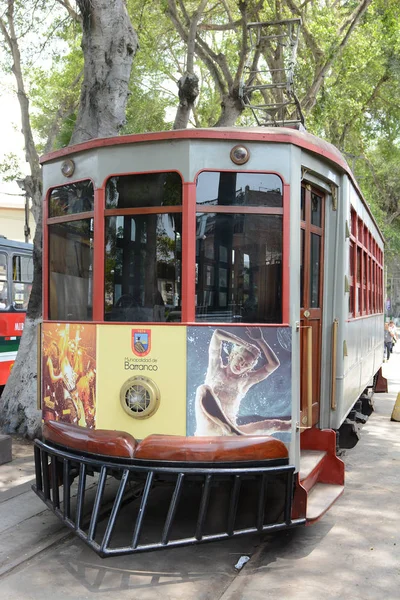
(75, 16)
(309, 101)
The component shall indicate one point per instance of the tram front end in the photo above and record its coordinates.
(167, 387)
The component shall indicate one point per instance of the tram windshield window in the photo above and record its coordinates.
(239, 268)
(72, 198)
(22, 280)
(4, 302)
(239, 189)
(143, 267)
(144, 190)
(70, 270)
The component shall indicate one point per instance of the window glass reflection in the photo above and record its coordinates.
(315, 266)
(238, 268)
(4, 301)
(148, 189)
(70, 270)
(316, 210)
(22, 280)
(143, 268)
(239, 189)
(71, 199)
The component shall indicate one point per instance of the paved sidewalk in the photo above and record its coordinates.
(351, 554)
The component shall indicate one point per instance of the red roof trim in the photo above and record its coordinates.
(272, 134)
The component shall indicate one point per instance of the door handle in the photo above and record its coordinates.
(308, 354)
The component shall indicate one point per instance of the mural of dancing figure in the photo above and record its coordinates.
(218, 400)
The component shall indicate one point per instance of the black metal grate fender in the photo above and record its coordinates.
(93, 512)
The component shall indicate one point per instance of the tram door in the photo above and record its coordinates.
(311, 279)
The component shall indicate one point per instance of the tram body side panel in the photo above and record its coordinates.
(360, 340)
(364, 353)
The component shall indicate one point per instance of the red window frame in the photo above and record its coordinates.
(365, 270)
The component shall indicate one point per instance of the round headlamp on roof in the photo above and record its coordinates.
(68, 168)
(239, 154)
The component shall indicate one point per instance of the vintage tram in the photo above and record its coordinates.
(213, 309)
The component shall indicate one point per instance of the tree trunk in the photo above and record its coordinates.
(109, 45)
(18, 401)
(231, 109)
(188, 84)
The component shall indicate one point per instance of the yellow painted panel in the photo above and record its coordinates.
(156, 353)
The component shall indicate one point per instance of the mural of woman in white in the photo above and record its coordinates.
(218, 399)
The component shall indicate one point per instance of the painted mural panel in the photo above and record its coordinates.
(239, 381)
(69, 373)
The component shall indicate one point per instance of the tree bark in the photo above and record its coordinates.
(18, 401)
(109, 44)
(188, 84)
(231, 109)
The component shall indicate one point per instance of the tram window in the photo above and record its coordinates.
(303, 204)
(144, 190)
(315, 263)
(239, 266)
(302, 234)
(316, 203)
(143, 267)
(22, 280)
(70, 270)
(71, 199)
(239, 189)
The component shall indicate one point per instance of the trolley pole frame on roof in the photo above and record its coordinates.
(266, 80)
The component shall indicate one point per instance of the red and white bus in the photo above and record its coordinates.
(16, 274)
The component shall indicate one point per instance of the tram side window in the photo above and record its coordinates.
(143, 250)
(365, 270)
(22, 280)
(70, 270)
(4, 301)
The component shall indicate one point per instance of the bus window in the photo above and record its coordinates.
(143, 250)
(4, 303)
(22, 280)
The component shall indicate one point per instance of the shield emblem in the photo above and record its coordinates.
(141, 341)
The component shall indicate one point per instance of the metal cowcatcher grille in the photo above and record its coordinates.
(124, 507)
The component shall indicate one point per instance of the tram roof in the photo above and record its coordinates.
(284, 135)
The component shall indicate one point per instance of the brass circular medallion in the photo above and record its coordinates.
(140, 397)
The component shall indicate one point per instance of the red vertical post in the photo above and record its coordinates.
(45, 259)
(188, 252)
(98, 255)
(286, 254)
